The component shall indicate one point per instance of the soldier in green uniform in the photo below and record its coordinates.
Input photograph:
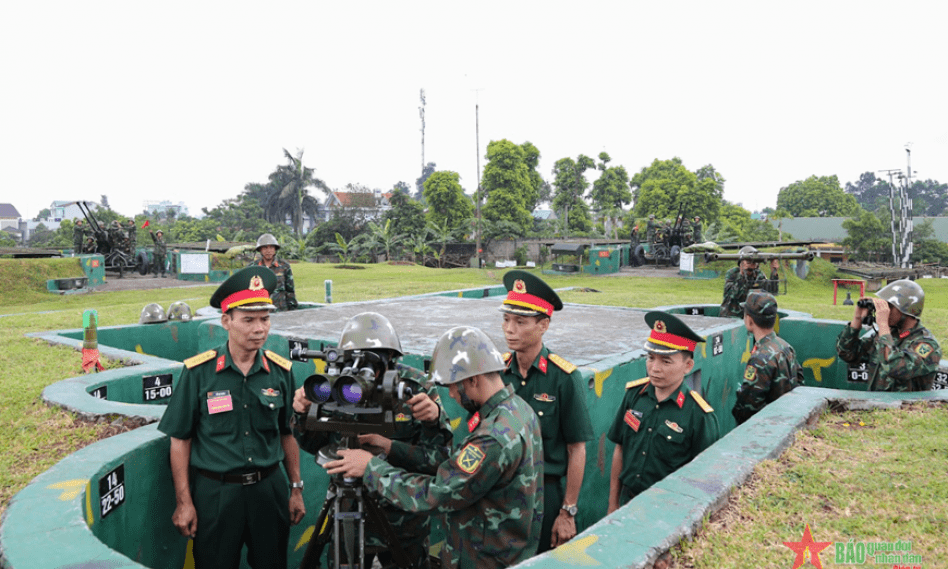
(229, 423)
(284, 297)
(422, 436)
(661, 424)
(696, 230)
(773, 368)
(132, 233)
(739, 280)
(78, 234)
(650, 229)
(553, 388)
(161, 252)
(902, 355)
(491, 489)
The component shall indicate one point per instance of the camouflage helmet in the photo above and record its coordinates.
(179, 311)
(761, 304)
(267, 239)
(463, 352)
(153, 314)
(369, 331)
(905, 295)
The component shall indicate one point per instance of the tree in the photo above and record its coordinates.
(6, 240)
(569, 183)
(610, 191)
(426, 173)
(511, 191)
(407, 215)
(867, 237)
(736, 224)
(666, 185)
(440, 232)
(447, 204)
(288, 195)
(385, 236)
(927, 248)
(817, 197)
(345, 221)
(345, 249)
(871, 193)
(43, 214)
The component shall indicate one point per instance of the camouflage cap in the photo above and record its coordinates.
(760, 303)
(905, 295)
(463, 352)
(669, 334)
(247, 289)
(369, 331)
(528, 295)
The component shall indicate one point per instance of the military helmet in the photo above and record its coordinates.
(267, 239)
(905, 295)
(747, 250)
(369, 331)
(463, 352)
(153, 314)
(179, 311)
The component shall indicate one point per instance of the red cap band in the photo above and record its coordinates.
(243, 297)
(672, 341)
(529, 301)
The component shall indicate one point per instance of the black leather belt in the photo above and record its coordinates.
(246, 478)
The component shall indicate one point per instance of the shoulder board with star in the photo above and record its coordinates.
(562, 364)
(507, 356)
(701, 402)
(279, 360)
(636, 382)
(199, 359)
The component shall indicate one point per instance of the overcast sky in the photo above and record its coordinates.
(190, 101)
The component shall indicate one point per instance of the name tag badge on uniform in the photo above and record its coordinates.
(632, 421)
(673, 426)
(219, 402)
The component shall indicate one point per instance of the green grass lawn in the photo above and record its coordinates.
(34, 437)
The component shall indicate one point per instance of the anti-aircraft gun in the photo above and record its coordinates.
(111, 245)
(668, 243)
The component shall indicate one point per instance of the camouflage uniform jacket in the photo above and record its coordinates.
(490, 490)
(736, 287)
(771, 371)
(78, 237)
(910, 366)
(161, 248)
(650, 229)
(284, 295)
(696, 232)
(415, 446)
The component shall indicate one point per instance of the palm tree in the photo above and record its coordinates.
(287, 192)
(385, 236)
(440, 233)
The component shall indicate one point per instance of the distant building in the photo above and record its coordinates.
(162, 208)
(544, 214)
(60, 210)
(370, 204)
(9, 216)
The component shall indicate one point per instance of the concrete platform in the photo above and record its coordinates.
(583, 334)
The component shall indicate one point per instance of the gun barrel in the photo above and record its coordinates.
(758, 257)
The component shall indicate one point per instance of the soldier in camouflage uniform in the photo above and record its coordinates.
(696, 230)
(78, 234)
(902, 355)
(285, 295)
(161, 252)
(491, 489)
(132, 232)
(422, 436)
(739, 280)
(650, 229)
(554, 389)
(772, 369)
(661, 424)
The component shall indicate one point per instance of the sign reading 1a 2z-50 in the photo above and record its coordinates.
(155, 387)
(111, 491)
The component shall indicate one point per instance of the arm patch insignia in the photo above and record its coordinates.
(636, 383)
(470, 459)
(562, 364)
(279, 360)
(923, 350)
(701, 402)
(199, 359)
(750, 373)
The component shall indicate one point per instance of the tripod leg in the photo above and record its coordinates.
(314, 550)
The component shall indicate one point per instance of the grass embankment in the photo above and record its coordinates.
(867, 476)
(34, 437)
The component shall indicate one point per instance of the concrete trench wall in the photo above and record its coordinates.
(64, 505)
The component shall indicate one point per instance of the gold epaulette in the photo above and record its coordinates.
(279, 360)
(507, 356)
(199, 359)
(636, 383)
(701, 402)
(562, 364)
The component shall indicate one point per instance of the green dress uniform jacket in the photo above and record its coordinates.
(416, 446)
(658, 438)
(771, 371)
(911, 365)
(553, 388)
(284, 295)
(235, 423)
(490, 490)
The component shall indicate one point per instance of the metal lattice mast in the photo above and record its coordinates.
(421, 113)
